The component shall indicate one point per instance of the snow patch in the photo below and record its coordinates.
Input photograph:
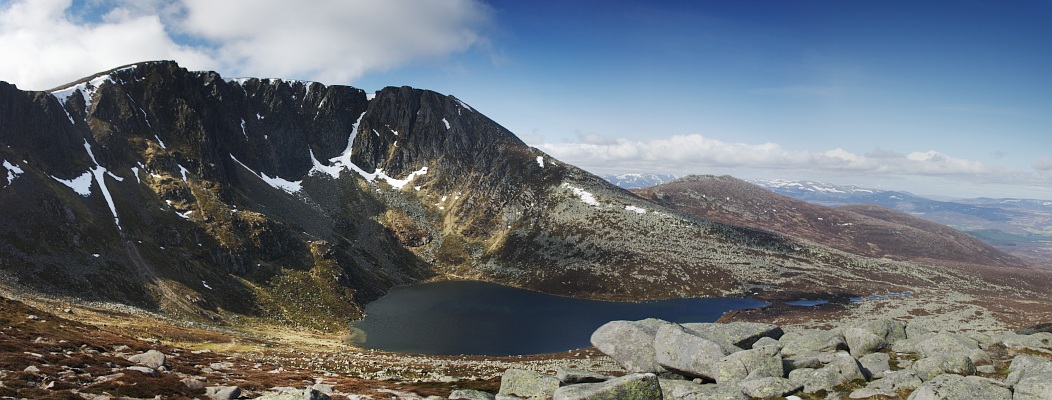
(135, 172)
(463, 104)
(585, 196)
(80, 184)
(635, 209)
(540, 161)
(159, 142)
(446, 123)
(274, 181)
(13, 171)
(343, 161)
(205, 284)
(183, 171)
(243, 131)
(86, 89)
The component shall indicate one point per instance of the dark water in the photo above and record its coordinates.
(487, 319)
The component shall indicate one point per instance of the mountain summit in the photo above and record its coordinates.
(213, 198)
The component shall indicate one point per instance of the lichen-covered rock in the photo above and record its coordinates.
(571, 376)
(896, 380)
(888, 329)
(630, 343)
(952, 386)
(151, 358)
(813, 380)
(468, 394)
(767, 341)
(804, 360)
(769, 387)
(680, 350)
(1034, 387)
(739, 334)
(800, 342)
(222, 392)
(527, 384)
(749, 364)
(1037, 341)
(874, 365)
(687, 390)
(846, 367)
(930, 367)
(628, 387)
(951, 343)
(861, 341)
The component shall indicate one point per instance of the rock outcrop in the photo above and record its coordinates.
(821, 361)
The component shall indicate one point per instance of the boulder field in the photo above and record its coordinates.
(743, 360)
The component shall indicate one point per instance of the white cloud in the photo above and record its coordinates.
(684, 154)
(333, 41)
(1044, 164)
(43, 47)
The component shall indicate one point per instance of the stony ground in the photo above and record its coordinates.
(55, 349)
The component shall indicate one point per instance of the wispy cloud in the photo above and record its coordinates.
(331, 41)
(685, 154)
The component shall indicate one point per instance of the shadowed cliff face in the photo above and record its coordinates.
(204, 196)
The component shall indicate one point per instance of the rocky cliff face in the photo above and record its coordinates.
(212, 197)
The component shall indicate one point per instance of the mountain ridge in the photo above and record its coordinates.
(222, 199)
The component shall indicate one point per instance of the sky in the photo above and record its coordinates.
(948, 98)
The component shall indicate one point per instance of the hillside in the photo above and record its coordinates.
(867, 230)
(222, 199)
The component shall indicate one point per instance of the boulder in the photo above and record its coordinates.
(139, 368)
(222, 392)
(632, 386)
(527, 384)
(738, 334)
(930, 367)
(1034, 387)
(888, 329)
(630, 343)
(800, 342)
(1041, 341)
(687, 390)
(749, 364)
(948, 343)
(571, 376)
(468, 394)
(288, 393)
(152, 358)
(767, 341)
(680, 350)
(861, 341)
(805, 360)
(896, 380)
(846, 367)
(814, 380)
(874, 365)
(1024, 366)
(952, 386)
(769, 387)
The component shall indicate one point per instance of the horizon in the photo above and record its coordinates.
(939, 99)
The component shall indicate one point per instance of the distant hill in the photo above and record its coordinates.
(1022, 227)
(867, 230)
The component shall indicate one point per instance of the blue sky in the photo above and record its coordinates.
(937, 97)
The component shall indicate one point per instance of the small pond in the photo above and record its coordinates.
(460, 317)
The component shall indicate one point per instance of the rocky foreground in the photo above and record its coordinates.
(45, 355)
(742, 360)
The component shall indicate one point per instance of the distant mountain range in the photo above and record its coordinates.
(638, 181)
